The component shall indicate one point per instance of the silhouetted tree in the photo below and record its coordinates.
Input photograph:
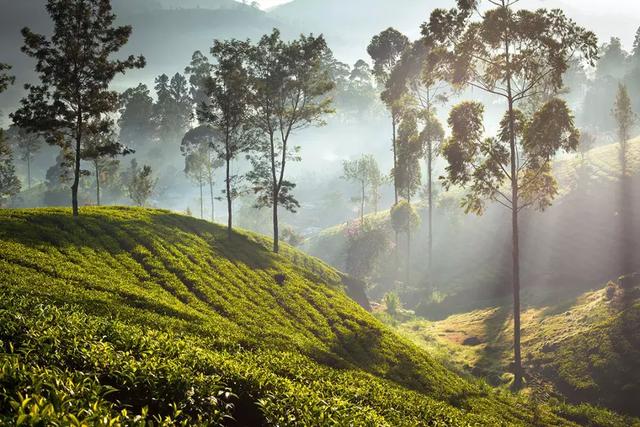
(5, 78)
(613, 61)
(136, 116)
(199, 70)
(288, 93)
(172, 111)
(512, 54)
(430, 138)
(26, 144)
(225, 109)
(9, 182)
(386, 49)
(75, 69)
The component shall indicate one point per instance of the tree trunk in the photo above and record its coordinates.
(29, 170)
(229, 199)
(626, 238)
(200, 182)
(97, 168)
(395, 160)
(515, 250)
(430, 196)
(76, 169)
(276, 193)
(517, 368)
(408, 256)
(213, 210)
(276, 235)
(362, 205)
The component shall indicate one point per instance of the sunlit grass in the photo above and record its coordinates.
(131, 315)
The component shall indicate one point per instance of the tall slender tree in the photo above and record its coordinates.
(26, 144)
(200, 147)
(407, 170)
(625, 119)
(225, 109)
(366, 173)
(413, 76)
(9, 182)
(173, 108)
(75, 68)
(198, 70)
(511, 53)
(386, 50)
(431, 138)
(289, 88)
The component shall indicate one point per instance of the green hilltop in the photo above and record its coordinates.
(131, 316)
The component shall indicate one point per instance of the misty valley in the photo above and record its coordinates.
(319, 213)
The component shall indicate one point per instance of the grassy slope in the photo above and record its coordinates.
(127, 315)
(588, 347)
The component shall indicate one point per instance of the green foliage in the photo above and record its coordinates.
(483, 164)
(386, 49)
(5, 79)
(366, 173)
(127, 316)
(624, 115)
(289, 91)
(9, 182)
(142, 184)
(409, 151)
(173, 110)
(367, 243)
(404, 217)
(392, 303)
(75, 68)
(136, 116)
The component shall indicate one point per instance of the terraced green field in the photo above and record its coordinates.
(131, 317)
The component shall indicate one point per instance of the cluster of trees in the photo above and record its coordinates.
(9, 182)
(249, 101)
(517, 56)
(615, 67)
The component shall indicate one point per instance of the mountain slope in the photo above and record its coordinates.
(130, 314)
(363, 18)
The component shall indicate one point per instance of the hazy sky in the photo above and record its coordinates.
(265, 4)
(619, 17)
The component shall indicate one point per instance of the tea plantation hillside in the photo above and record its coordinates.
(130, 316)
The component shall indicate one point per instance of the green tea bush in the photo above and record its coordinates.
(143, 317)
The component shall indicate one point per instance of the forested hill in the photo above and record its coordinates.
(145, 315)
